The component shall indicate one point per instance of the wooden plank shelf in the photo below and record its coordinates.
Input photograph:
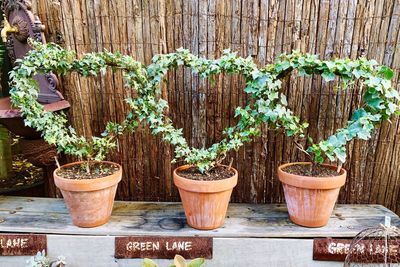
(256, 234)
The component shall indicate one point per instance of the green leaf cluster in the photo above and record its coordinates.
(380, 99)
(54, 126)
(268, 105)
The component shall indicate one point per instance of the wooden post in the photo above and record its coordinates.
(5, 153)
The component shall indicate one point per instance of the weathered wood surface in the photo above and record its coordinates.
(41, 215)
(254, 234)
(258, 28)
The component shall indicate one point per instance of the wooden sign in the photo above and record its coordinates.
(365, 251)
(22, 245)
(163, 247)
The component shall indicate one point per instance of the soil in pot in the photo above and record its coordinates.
(310, 170)
(205, 198)
(218, 173)
(79, 171)
(89, 197)
(310, 199)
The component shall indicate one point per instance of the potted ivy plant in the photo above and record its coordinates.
(311, 188)
(205, 184)
(88, 185)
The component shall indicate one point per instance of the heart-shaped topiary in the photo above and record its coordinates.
(269, 107)
(52, 58)
(380, 99)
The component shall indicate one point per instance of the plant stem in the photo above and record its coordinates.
(339, 168)
(302, 149)
(88, 166)
(313, 165)
(230, 164)
(57, 163)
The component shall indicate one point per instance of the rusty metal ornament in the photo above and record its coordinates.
(19, 25)
(378, 246)
(27, 25)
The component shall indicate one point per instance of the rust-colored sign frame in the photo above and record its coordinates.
(163, 247)
(22, 244)
(368, 251)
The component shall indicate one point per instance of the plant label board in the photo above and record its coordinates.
(364, 251)
(163, 247)
(22, 244)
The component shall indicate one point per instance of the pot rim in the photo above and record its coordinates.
(204, 186)
(87, 184)
(311, 182)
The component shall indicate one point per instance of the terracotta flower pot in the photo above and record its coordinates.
(205, 202)
(310, 200)
(89, 201)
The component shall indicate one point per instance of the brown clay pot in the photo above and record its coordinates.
(205, 202)
(310, 200)
(89, 201)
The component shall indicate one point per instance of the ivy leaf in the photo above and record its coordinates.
(328, 76)
(340, 154)
(386, 72)
(359, 113)
(330, 65)
(319, 159)
(358, 73)
(303, 72)
(282, 66)
(363, 134)
(373, 100)
(392, 94)
(284, 100)
(392, 107)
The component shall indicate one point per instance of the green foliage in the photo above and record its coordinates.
(179, 261)
(267, 106)
(380, 98)
(54, 127)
